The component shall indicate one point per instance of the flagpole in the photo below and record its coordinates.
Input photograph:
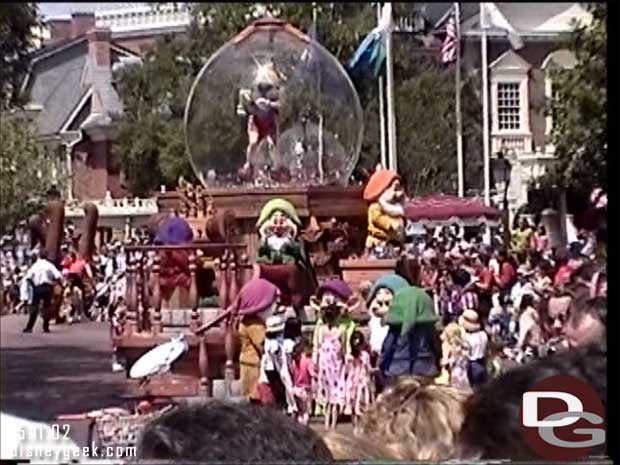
(393, 156)
(485, 108)
(384, 161)
(320, 135)
(459, 117)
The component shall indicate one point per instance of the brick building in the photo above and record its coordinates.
(75, 103)
(73, 100)
(520, 81)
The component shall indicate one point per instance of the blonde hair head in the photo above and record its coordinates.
(416, 420)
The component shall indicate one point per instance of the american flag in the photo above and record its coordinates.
(448, 49)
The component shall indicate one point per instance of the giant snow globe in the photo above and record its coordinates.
(273, 108)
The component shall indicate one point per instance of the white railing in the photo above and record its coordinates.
(115, 207)
(141, 17)
(520, 143)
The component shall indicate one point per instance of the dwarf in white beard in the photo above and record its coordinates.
(386, 223)
(277, 227)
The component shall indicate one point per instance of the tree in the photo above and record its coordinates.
(17, 21)
(25, 171)
(579, 109)
(426, 123)
(155, 94)
(151, 137)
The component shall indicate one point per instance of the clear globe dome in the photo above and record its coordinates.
(273, 108)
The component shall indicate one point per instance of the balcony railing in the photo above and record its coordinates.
(144, 17)
(116, 207)
(520, 143)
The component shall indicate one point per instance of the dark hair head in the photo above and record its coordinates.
(357, 342)
(43, 254)
(583, 305)
(235, 432)
(527, 300)
(292, 328)
(491, 426)
(409, 269)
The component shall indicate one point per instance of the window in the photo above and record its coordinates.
(509, 106)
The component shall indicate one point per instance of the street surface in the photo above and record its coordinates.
(66, 371)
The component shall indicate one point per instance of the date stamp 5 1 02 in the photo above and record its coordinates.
(54, 441)
(43, 433)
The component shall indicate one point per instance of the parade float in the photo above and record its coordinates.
(273, 129)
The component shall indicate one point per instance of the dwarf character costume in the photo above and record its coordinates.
(281, 258)
(278, 224)
(411, 346)
(174, 263)
(332, 339)
(254, 304)
(378, 303)
(385, 211)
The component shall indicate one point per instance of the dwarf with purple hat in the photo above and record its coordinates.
(331, 342)
(256, 302)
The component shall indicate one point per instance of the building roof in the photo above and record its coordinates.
(56, 85)
(60, 78)
(531, 18)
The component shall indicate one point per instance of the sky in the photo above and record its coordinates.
(54, 9)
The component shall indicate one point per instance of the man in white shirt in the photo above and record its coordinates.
(43, 275)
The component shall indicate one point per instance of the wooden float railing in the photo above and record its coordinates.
(144, 300)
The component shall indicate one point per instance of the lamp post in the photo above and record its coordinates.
(501, 172)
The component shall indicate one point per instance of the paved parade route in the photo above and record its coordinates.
(65, 371)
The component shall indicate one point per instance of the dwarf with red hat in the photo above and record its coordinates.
(386, 224)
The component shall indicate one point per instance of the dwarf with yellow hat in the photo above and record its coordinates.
(386, 223)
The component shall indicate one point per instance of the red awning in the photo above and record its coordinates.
(440, 208)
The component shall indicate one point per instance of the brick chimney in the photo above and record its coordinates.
(64, 29)
(99, 46)
(60, 29)
(82, 23)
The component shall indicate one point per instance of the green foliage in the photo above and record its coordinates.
(580, 109)
(16, 23)
(154, 94)
(426, 128)
(24, 170)
(426, 123)
(152, 141)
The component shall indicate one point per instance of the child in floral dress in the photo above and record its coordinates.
(356, 379)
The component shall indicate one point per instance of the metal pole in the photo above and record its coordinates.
(459, 117)
(485, 109)
(393, 158)
(384, 160)
(320, 109)
(506, 214)
(69, 164)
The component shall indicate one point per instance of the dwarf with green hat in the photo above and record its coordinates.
(278, 225)
(378, 302)
(411, 346)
